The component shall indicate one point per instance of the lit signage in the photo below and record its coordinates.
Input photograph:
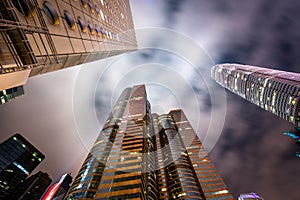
(53, 189)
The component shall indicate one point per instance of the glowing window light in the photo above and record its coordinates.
(21, 168)
(221, 192)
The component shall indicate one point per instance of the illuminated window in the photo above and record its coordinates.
(221, 192)
(82, 24)
(70, 20)
(91, 28)
(51, 13)
(84, 3)
(21, 168)
(92, 7)
(97, 11)
(294, 101)
(98, 31)
(25, 7)
(103, 33)
(102, 15)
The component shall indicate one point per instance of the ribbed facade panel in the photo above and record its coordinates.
(44, 36)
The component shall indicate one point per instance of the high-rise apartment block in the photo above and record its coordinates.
(273, 90)
(32, 188)
(139, 155)
(18, 158)
(38, 36)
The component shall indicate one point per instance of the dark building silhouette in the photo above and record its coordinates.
(18, 158)
(38, 36)
(32, 188)
(58, 190)
(10, 94)
(139, 155)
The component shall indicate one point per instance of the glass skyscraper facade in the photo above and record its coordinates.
(139, 155)
(18, 158)
(273, 90)
(39, 36)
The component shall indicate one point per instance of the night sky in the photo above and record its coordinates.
(62, 112)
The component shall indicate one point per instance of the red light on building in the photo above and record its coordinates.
(52, 191)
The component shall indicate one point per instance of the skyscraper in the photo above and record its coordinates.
(40, 36)
(18, 158)
(273, 90)
(139, 155)
(32, 188)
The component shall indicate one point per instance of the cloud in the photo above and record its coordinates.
(251, 153)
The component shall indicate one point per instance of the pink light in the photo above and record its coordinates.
(51, 192)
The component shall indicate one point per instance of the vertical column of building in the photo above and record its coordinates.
(160, 172)
(123, 173)
(180, 177)
(89, 176)
(208, 180)
(149, 164)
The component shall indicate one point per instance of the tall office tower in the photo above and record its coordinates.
(250, 196)
(18, 158)
(273, 90)
(139, 155)
(58, 190)
(38, 36)
(32, 188)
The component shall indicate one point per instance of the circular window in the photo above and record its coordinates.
(98, 31)
(103, 33)
(51, 13)
(70, 20)
(82, 24)
(92, 7)
(91, 28)
(25, 7)
(97, 11)
(84, 3)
